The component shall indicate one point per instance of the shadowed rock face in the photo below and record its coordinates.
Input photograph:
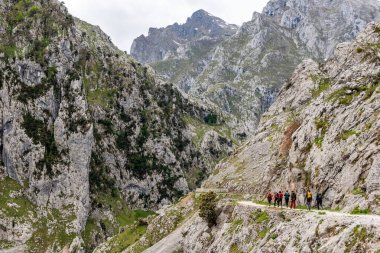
(321, 133)
(86, 131)
(245, 72)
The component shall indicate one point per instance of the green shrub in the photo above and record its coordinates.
(34, 10)
(122, 142)
(107, 123)
(9, 51)
(37, 130)
(322, 124)
(34, 128)
(211, 119)
(359, 50)
(207, 208)
(27, 93)
(273, 236)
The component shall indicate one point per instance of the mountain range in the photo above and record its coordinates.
(100, 153)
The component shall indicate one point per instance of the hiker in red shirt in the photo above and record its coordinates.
(279, 200)
(269, 198)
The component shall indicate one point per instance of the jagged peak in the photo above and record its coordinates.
(200, 13)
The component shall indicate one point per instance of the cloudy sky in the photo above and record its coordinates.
(125, 20)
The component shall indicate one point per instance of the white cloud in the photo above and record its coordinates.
(124, 20)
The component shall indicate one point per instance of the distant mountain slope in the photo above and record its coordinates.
(180, 52)
(246, 70)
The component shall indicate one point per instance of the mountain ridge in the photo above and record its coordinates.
(246, 70)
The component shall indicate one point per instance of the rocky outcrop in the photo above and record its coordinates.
(320, 134)
(87, 133)
(179, 53)
(249, 228)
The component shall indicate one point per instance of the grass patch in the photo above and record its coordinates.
(322, 125)
(346, 95)
(235, 225)
(4, 244)
(23, 208)
(201, 128)
(359, 191)
(260, 216)
(235, 249)
(130, 217)
(102, 97)
(263, 233)
(347, 134)
(126, 238)
(358, 235)
(323, 84)
(357, 211)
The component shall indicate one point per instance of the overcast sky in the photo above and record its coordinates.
(124, 20)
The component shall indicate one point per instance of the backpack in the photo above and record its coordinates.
(294, 196)
(269, 196)
(287, 195)
(280, 195)
(309, 195)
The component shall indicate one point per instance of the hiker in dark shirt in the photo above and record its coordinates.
(287, 197)
(318, 200)
(293, 198)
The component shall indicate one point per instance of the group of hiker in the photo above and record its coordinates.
(277, 198)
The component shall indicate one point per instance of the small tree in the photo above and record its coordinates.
(208, 208)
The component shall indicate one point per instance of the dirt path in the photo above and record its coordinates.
(367, 218)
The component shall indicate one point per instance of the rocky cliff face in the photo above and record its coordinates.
(321, 133)
(180, 52)
(87, 133)
(247, 69)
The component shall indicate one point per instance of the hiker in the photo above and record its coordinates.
(287, 196)
(275, 199)
(269, 198)
(318, 199)
(279, 200)
(309, 198)
(293, 198)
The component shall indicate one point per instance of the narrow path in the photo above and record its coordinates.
(367, 217)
